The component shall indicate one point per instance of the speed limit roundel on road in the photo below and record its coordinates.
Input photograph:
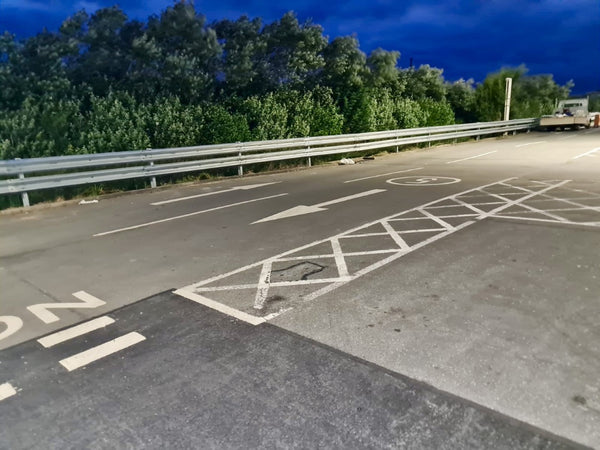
(423, 181)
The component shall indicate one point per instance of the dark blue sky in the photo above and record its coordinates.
(466, 38)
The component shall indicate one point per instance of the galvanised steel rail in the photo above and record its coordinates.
(72, 170)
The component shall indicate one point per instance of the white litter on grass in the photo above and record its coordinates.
(87, 202)
(346, 161)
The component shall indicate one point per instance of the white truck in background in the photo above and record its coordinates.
(571, 113)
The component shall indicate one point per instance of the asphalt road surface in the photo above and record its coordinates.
(438, 298)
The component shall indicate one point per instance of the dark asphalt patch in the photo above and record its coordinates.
(205, 380)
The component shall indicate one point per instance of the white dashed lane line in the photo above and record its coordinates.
(471, 157)
(100, 351)
(73, 332)
(7, 390)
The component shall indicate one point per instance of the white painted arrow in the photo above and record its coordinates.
(237, 188)
(304, 209)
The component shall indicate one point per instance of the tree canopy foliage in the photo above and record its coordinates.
(105, 83)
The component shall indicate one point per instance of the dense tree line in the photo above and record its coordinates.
(105, 83)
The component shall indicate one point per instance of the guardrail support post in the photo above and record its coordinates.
(24, 195)
(240, 167)
(309, 160)
(153, 179)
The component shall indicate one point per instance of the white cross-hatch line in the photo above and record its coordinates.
(339, 258)
(168, 219)
(349, 232)
(590, 153)
(349, 273)
(263, 285)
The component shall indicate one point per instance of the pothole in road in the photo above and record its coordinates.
(296, 272)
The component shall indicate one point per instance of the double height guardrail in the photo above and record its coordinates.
(20, 176)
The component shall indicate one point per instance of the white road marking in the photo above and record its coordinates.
(304, 209)
(183, 216)
(215, 284)
(471, 157)
(383, 262)
(444, 224)
(535, 219)
(41, 309)
(383, 175)
(70, 333)
(6, 390)
(263, 283)
(340, 262)
(422, 181)
(100, 351)
(395, 236)
(206, 194)
(347, 233)
(530, 143)
(13, 324)
(587, 153)
(253, 320)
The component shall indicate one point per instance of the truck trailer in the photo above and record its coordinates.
(572, 113)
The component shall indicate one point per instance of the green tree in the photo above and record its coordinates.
(171, 124)
(461, 96)
(293, 51)
(423, 82)
(221, 126)
(345, 67)
(244, 55)
(115, 123)
(489, 96)
(384, 71)
(105, 48)
(532, 96)
(43, 126)
(177, 55)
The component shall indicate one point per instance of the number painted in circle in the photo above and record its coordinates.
(423, 181)
(13, 324)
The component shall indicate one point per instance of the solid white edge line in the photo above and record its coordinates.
(100, 351)
(6, 390)
(228, 310)
(168, 219)
(70, 333)
(383, 175)
(471, 157)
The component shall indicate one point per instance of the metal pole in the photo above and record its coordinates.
(507, 98)
(153, 179)
(240, 167)
(24, 195)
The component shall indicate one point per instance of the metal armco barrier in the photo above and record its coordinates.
(59, 171)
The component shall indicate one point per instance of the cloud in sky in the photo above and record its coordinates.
(467, 38)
